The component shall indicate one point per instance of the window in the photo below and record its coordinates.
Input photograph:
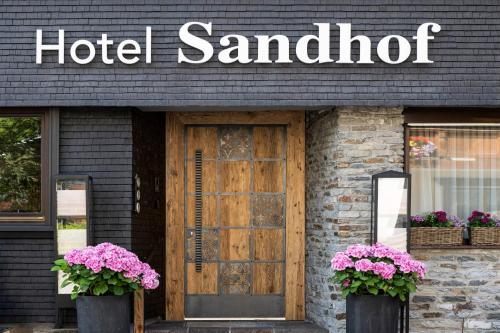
(23, 167)
(454, 168)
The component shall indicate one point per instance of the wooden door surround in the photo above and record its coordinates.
(295, 202)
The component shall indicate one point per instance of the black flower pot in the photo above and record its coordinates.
(103, 314)
(372, 314)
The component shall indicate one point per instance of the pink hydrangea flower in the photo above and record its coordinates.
(385, 270)
(341, 261)
(363, 265)
(367, 258)
(117, 259)
(358, 251)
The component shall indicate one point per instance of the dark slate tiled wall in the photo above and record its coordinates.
(94, 142)
(99, 143)
(26, 283)
(466, 54)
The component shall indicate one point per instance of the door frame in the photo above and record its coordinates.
(295, 202)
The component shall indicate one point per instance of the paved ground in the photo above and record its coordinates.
(234, 327)
(33, 328)
(191, 327)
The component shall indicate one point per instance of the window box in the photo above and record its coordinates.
(485, 236)
(427, 236)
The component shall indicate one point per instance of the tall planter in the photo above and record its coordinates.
(372, 314)
(103, 314)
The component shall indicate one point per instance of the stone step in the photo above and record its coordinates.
(234, 327)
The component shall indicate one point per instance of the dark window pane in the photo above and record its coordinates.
(20, 164)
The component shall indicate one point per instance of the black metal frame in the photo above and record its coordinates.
(63, 302)
(404, 325)
(374, 203)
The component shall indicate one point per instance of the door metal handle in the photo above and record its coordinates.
(198, 257)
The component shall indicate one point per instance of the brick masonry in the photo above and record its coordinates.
(345, 147)
(466, 71)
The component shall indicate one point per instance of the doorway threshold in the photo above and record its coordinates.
(235, 319)
(234, 326)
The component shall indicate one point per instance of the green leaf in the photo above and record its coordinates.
(373, 291)
(56, 268)
(342, 276)
(392, 292)
(60, 262)
(118, 290)
(345, 292)
(399, 283)
(100, 289)
(86, 273)
(65, 283)
(371, 282)
(356, 284)
(411, 287)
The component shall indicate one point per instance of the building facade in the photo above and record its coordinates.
(287, 148)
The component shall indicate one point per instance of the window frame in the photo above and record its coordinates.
(445, 115)
(39, 221)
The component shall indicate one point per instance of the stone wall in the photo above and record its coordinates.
(461, 292)
(345, 147)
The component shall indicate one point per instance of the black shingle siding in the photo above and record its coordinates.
(94, 142)
(466, 71)
(99, 143)
(26, 283)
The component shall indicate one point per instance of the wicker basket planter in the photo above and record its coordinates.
(436, 236)
(485, 236)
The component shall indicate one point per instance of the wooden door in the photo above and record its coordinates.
(237, 235)
(235, 221)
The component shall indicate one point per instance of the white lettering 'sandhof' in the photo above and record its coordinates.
(236, 47)
(240, 51)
